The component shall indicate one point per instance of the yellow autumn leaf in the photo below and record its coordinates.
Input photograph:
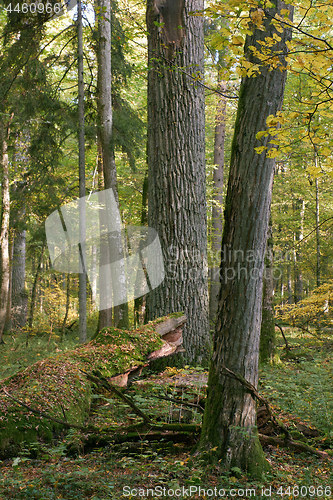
(261, 134)
(237, 40)
(225, 32)
(325, 151)
(272, 153)
(257, 17)
(284, 12)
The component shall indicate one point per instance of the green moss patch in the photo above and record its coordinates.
(58, 387)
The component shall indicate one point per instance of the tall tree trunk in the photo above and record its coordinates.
(299, 208)
(93, 275)
(4, 230)
(267, 333)
(317, 233)
(104, 315)
(281, 282)
(34, 287)
(19, 295)
(176, 169)
(217, 199)
(139, 302)
(229, 424)
(104, 105)
(289, 280)
(68, 297)
(82, 183)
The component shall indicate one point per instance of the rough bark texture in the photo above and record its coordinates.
(18, 290)
(217, 215)
(267, 334)
(176, 169)
(104, 105)
(229, 425)
(4, 231)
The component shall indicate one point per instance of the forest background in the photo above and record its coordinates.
(39, 167)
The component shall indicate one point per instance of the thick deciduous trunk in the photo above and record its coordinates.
(4, 231)
(19, 295)
(104, 105)
(176, 170)
(217, 200)
(267, 333)
(229, 425)
(18, 292)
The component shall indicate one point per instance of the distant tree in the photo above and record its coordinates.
(217, 197)
(176, 166)
(106, 140)
(229, 424)
(82, 178)
(267, 333)
(4, 229)
(30, 152)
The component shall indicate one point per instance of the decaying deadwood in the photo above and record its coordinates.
(291, 444)
(283, 336)
(56, 420)
(180, 402)
(171, 332)
(61, 383)
(97, 378)
(169, 326)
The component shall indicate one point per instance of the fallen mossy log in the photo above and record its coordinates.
(56, 393)
(292, 445)
(152, 430)
(180, 433)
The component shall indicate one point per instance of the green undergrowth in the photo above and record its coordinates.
(112, 472)
(300, 381)
(172, 397)
(297, 385)
(57, 386)
(24, 347)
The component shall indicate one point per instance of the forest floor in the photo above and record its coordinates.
(298, 385)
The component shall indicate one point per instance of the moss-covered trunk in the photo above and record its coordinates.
(229, 431)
